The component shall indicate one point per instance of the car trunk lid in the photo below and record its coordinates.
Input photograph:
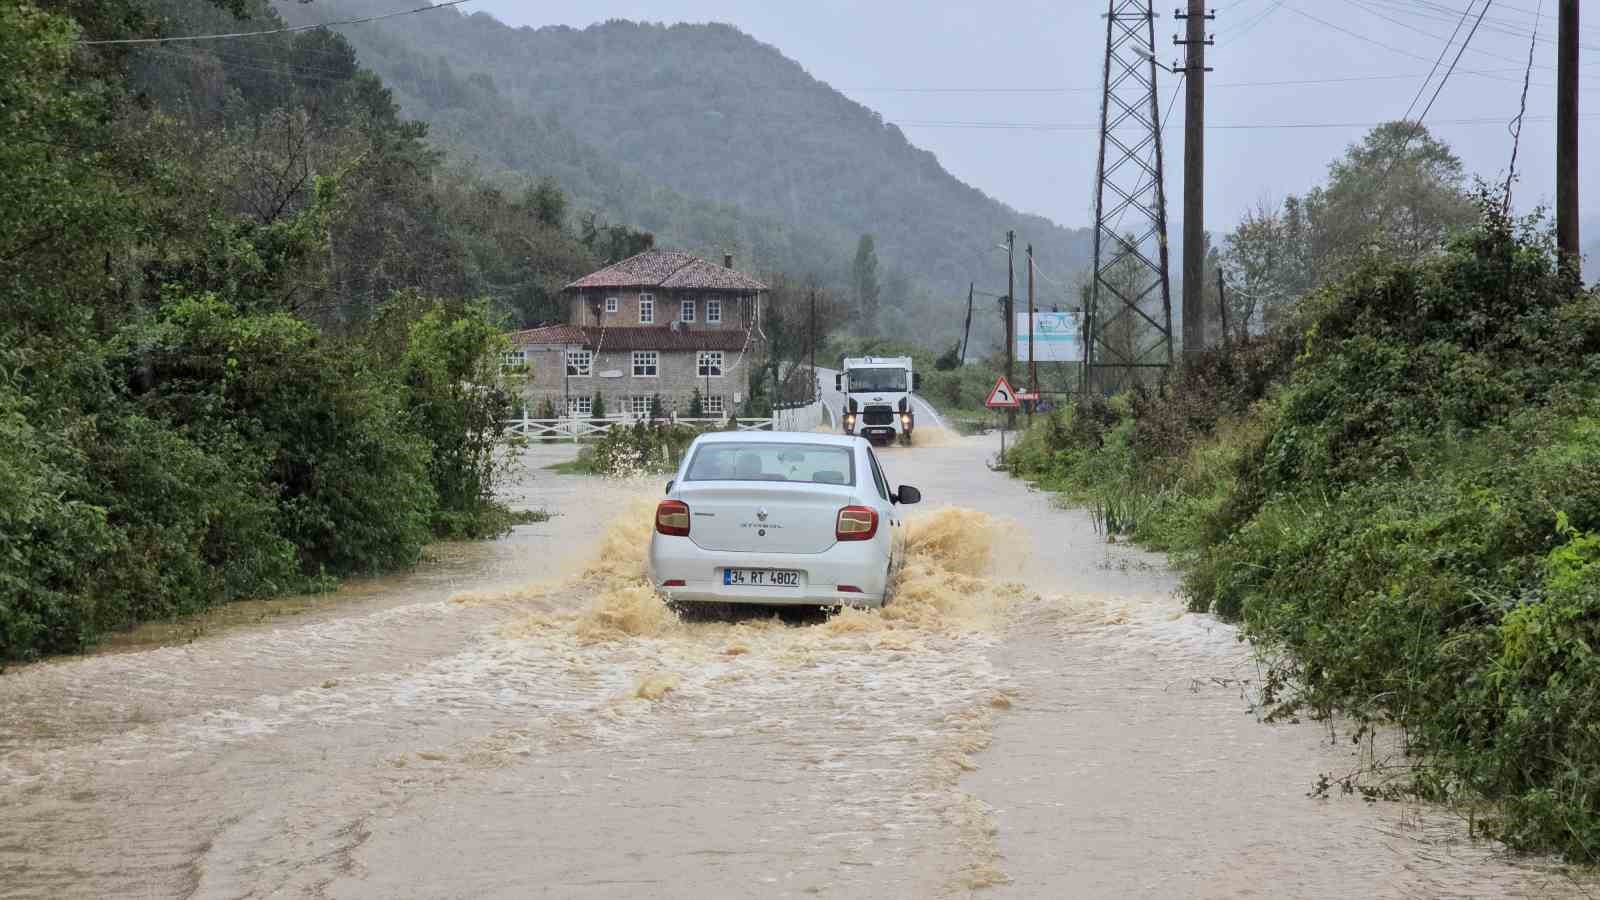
(746, 517)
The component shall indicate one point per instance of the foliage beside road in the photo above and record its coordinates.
(629, 451)
(237, 356)
(1398, 494)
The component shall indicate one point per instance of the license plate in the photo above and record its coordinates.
(760, 578)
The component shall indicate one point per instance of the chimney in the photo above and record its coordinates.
(727, 260)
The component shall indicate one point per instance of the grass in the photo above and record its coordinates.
(582, 465)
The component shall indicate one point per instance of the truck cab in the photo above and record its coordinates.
(877, 392)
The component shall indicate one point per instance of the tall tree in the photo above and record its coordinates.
(864, 282)
(1399, 192)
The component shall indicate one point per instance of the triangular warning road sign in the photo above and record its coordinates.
(1002, 397)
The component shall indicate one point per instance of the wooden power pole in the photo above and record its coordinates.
(1194, 176)
(816, 386)
(966, 332)
(1011, 322)
(1033, 364)
(1567, 237)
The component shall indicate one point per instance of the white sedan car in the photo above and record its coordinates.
(783, 519)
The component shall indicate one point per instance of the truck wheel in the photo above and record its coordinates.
(905, 438)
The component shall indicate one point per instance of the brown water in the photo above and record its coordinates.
(1034, 716)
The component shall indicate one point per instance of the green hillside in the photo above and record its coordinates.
(703, 135)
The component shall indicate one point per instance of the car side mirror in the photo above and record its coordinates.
(838, 382)
(916, 381)
(907, 495)
(670, 484)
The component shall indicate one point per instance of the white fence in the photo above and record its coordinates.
(570, 429)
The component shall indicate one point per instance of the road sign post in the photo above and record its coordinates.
(1002, 397)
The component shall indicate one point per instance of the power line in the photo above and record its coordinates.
(1428, 34)
(1236, 33)
(1515, 127)
(285, 30)
(1361, 37)
(1383, 181)
(1439, 12)
(1464, 44)
(1243, 126)
(1287, 82)
(1438, 62)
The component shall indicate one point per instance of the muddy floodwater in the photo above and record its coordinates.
(1034, 716)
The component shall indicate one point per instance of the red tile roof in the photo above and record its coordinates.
(549, 334)
(659, 337)
(670, 269)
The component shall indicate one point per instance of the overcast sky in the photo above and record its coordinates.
(1038, 62)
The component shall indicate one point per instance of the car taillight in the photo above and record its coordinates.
(672, 517)
(856, 523)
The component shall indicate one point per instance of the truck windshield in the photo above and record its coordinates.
(877, 380)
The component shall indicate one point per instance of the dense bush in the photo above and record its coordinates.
(643, 448)
(1404, 517)
(197, 402)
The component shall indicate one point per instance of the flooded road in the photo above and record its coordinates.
(1034, 716)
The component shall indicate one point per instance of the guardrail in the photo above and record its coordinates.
(575, 429)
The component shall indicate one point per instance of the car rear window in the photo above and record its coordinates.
(806, 463)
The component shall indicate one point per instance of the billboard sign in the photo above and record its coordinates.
(1055, 337)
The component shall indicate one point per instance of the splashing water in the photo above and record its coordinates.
(656, 685)
(942, 588)
(931, 436)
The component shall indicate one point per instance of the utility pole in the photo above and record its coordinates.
(1567, 237)
(1222, 309)
(1011, 322)
(816, 386)
(966, 332)
(1194, 175)
(1033, 364)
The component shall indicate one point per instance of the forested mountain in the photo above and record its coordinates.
(700, 134)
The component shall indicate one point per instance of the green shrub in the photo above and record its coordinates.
(644, 448)
(1400, 500)
(53, 541)
(457, 406)
(350, 477)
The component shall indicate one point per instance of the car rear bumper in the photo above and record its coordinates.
(861, 564)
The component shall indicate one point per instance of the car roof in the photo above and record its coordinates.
(779, 437)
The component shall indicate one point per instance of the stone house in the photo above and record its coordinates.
(661, 324)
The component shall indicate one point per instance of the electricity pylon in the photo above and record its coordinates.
(1125, 333)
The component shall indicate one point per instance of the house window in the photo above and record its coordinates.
(710, 364)
(713, 311)
(611, 304)
(714, 406)
(647, 309)
(580, 363)
(646, 363)
(514, 358)
(578, 407)
(686, 311)
(639, 405)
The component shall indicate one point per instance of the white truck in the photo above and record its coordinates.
(877, 391)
